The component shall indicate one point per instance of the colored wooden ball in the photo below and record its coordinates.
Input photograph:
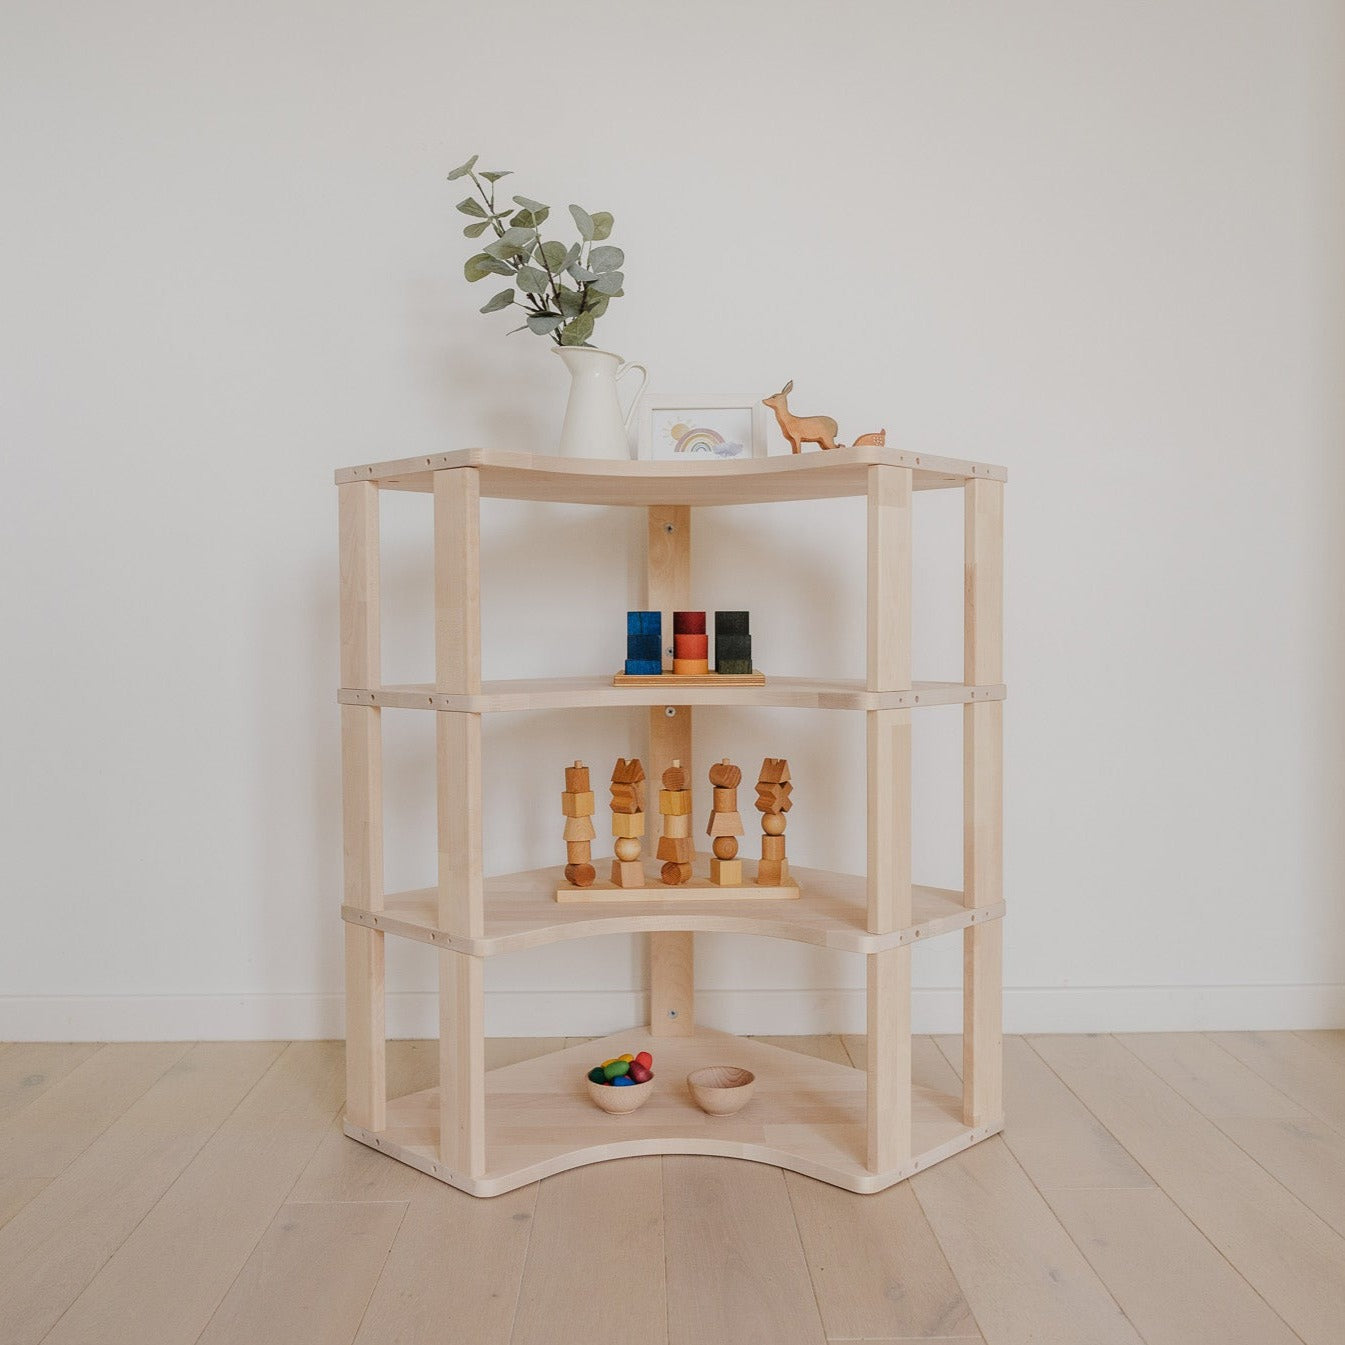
(622, 1081)
(638, 1074)
(773, 824)
(597, 1075)
(627, 1057)
(725, 847)
(645, 1059)
(616, 1069)
(627, 848)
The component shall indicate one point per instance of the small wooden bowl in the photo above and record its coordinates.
(620, 1101)
(721, 1090)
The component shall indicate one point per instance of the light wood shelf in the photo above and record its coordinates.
(597, 692)
(859, 1129)
(808, 1115)
(521, 912)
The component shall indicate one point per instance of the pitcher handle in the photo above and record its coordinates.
(634, 401)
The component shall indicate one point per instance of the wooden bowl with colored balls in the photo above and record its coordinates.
(623, 1084)
(620, 1101)
(721, 1090)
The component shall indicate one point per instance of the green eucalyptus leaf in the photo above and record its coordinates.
(530, 219)
(502, 249)
(583, 221)
(577, 331)
(581, 274)
(477, 267)
(470, 206)
(606, 258)
(495, 177)
(571, 302)
(541, 323)
(531, 281)
(572, 255)
(502, 300)
(553, 254)
(608, 283)
(602, 224)
(519, 238)
(598, 305)
(463, 169)
(529, 204)
(477, 229)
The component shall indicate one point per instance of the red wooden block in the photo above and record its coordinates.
(691, 646)
(688, 623)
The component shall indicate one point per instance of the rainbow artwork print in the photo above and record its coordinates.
(694, 439)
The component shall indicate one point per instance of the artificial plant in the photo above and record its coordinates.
(563, 290)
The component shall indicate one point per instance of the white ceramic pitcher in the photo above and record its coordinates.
(594, 424)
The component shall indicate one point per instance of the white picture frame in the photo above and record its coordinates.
(709, 425)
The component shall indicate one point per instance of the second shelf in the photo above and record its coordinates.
(521, 912)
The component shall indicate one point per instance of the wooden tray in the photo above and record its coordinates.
(752, 679)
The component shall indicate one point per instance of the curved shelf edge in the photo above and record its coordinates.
(521, 912)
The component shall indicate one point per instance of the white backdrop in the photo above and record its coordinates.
(1097, 242)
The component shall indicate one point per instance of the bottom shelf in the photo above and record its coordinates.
(808, 1115)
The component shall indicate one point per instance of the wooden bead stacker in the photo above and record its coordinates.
(683, 873)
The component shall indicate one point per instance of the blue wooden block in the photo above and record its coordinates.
(638, 667)
(645, 623)
(644, 647)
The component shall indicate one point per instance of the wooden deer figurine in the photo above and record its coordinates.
(800, 430)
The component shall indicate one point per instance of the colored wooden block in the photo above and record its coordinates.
(677, 848)
(576, 779)
(731, 623)
(691, 667)
(578, 852)
(674, 873)
(733, 646)
(645, 623)
(674, 802)
(726, 800)
(725, 824)
(691, 646)
(726, 872)
(676, 824)
(577, 805)
(772, 872)
(725, 775)
(628, 873)
(580, 875)
(688, 623)
(643, 667)
(644, 647)
(772, 847)
(579, 829)
(627, 824)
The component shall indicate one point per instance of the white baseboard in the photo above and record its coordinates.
(593, 1013)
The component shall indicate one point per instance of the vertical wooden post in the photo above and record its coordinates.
(888, 741)
(457, 613)
(983, 806)
(672, 961)
(362, 807)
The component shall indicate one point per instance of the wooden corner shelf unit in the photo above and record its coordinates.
(487, 1132)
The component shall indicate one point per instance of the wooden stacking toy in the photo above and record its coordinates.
(733, 643)
(577, 805)
(644, 644)
(627, 822)
(674, 845)
(773, 802)
(691, 645)
(726, 825)
(622, 1084)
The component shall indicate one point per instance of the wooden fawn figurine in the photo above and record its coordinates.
(799, 430)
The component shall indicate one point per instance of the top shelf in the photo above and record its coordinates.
(508, 475)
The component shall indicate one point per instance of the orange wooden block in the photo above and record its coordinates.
(677, 848)
(673, 873)
(576, 779)
(578, 852)
(691, 646)
(627, 824)
(691, 667)
(580, 875)
(577, 805)
(772, 847)
(579, 829)
(726, 872)
(674, 802)
(628, 873)
(725, 775)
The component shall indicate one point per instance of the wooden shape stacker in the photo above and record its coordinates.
(489, 1132)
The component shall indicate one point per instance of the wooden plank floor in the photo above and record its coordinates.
(1170, 1189)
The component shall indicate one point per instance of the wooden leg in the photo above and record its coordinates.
(461, 907)
(982, 1023)
(889, 820)
(889, 1058)
(672, 962)
(462, 1063)
(366, 1037)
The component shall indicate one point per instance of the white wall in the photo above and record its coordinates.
(1097, 242)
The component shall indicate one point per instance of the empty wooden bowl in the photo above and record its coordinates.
(620, 1101)
(721, 1090)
